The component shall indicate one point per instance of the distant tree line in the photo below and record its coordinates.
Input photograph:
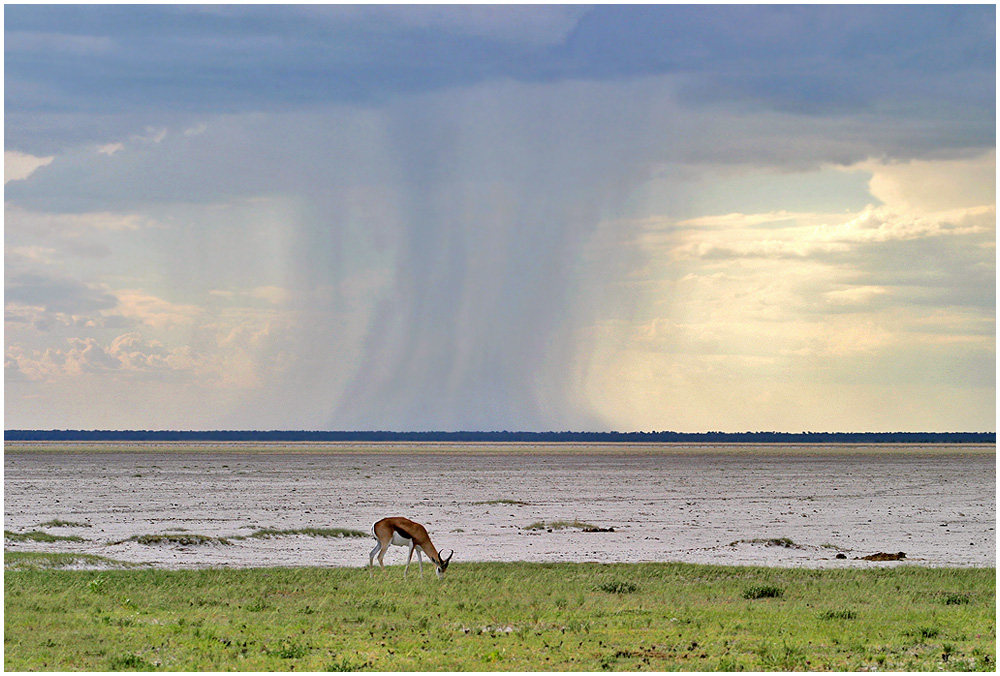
(517, 437)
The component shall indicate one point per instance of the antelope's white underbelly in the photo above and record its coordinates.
(400, 541)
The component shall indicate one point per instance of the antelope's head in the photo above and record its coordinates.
(443, 564)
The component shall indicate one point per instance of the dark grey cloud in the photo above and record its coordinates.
(922, 61)
(941, 272)
(56, 293)
(813, 59)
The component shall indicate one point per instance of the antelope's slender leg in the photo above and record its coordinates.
(420, 561)
(385, 547)
(371, 556)
(409, 557)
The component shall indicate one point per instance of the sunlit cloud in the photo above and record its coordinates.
(855, 295)
(738, 298)
(153, 311)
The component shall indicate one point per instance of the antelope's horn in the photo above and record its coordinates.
(450, 555)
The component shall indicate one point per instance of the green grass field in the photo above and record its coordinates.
(496, 617)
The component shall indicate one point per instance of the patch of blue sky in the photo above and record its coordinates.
(830, 190)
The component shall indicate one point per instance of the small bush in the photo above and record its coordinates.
(618, 587)
(763, 592)
(955, 599)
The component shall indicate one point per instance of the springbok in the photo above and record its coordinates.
(397, 530)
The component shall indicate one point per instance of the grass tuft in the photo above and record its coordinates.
(763, 592)
(129, 662)
(924, 633)
(57, 560)
(313, 532)
(289, 650)
(39, 536)
(618, 587)
(838, 615)
(346, 665)
(59, 523)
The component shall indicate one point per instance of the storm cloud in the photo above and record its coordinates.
(467, 218)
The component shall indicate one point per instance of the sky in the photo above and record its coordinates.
(506, 217)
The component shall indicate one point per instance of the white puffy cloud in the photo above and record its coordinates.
(128, 355)
(935, 185)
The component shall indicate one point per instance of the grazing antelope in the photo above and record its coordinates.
(396, 530)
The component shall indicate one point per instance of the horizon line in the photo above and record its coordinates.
(398, 435)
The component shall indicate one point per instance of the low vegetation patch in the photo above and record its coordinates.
(559, 525)
(313, 532)
(129, 662)
(763, 591)
(499, 617)
(59, 523)
(182, 539)
(39, 536)
(924, 633)
(504, 501)
(288, 650)
(618, 587)
(885, 556)
(954, 598)
(838, 615)
(55, 560)
(787, 543)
